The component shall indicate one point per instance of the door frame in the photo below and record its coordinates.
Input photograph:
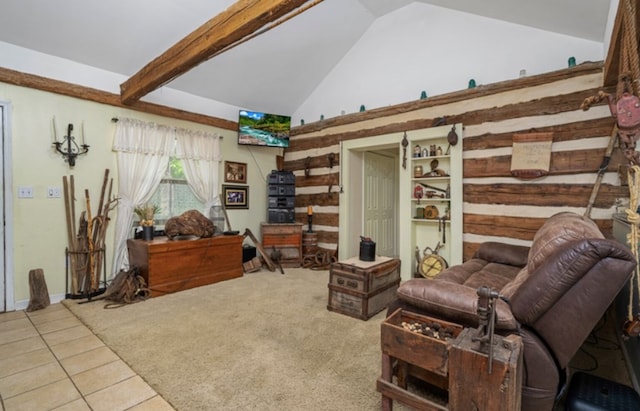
(7, 300)
(350, 220)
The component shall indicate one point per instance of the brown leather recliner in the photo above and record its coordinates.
(557, 290)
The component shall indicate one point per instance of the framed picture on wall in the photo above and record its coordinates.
(235, 196)
(235, 172)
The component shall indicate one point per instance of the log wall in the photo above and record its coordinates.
(497, 206)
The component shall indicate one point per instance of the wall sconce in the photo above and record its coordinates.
(68, 147)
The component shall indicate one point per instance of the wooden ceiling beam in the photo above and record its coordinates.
(231, 26)
(612, 62)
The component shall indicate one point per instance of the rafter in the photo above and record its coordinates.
(226, 29)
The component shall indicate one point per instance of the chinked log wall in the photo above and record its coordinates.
(496, 205)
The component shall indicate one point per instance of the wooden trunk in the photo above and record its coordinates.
(361, 289)
(175, 265)
(286, 238)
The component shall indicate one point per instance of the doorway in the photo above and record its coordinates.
(358, 215)
(6, 231)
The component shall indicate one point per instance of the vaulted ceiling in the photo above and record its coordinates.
(275, 70)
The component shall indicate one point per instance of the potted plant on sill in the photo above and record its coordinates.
(146, 214)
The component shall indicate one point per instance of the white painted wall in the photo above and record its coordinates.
(423, 47)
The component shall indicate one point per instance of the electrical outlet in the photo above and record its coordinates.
(25, 192)
(53, 192)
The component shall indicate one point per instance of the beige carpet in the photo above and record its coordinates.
(265, 341)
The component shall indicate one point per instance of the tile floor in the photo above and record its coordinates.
(50, 361)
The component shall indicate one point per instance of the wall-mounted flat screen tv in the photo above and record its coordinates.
(263, 129)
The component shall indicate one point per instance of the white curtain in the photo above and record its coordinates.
(143, 152)
(200, 155)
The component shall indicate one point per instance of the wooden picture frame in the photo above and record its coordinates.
(235, 197)
(235, 172)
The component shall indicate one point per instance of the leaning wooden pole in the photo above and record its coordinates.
(70, 238)
(90, 256)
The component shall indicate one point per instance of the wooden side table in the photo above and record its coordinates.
(286, 238)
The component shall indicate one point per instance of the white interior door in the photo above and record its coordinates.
(380, 197)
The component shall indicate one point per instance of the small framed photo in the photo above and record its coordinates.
(235, 196)
(235, 172)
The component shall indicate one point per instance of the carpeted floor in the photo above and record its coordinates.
(265, 341)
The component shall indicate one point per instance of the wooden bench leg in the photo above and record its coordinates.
(387, 375)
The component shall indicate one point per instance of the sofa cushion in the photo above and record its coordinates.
(556, 231)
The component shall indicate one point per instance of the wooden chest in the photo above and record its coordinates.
(169, 266)
(286, 238)
(361, 289)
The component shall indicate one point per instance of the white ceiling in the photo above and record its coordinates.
(275, 71)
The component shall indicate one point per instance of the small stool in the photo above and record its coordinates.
(592, 393)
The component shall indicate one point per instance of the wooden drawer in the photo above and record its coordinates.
(428, 353)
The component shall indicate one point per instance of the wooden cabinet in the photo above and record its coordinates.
(435, 203)
(286, 238)
(174, 265)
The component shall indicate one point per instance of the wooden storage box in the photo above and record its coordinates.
(428, 353)
(169, 266)
(286, 238)
(361, 289)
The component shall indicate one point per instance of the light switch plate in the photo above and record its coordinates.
(25, 192)
(53, 192)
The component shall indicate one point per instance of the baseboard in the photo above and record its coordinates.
(23, 304)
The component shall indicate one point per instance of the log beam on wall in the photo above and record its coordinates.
(18, 78)
(240, 20)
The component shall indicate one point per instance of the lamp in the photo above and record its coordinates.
(68, 147)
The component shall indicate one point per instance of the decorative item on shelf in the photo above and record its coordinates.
(310, 218)
(439, 151)
(68, 147)
(432, 150)
(523, 73)
(302, 122)
(362, 108)
(425, 152)
(423, 95)
(417, 151)
(321, 117)
(472, 83)
(418, 192)
(435, 171)
(571, 62)
(431, 212)
(146, 214)
(417, 171)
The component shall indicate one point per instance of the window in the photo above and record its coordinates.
(173, 195)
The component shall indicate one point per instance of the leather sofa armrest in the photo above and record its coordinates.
(503, 253)
(452, 302)
(566, 267)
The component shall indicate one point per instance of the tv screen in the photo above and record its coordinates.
(262, 129)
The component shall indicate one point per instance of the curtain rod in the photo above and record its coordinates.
(116, 119)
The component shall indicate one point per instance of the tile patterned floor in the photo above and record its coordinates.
(50, 361)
